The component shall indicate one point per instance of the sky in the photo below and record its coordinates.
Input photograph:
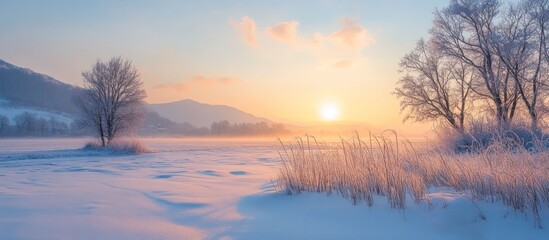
(283, 60)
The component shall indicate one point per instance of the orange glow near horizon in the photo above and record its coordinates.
(278, 62)
(329, 112)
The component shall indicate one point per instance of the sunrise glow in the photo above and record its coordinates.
(329, 112)
(274, 119)
(279, 63)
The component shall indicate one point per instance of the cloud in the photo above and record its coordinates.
(352, 35)
(284, 31)
(318, 40)
(247, 29)
(348, 40)
(342, 64)
(180, 87)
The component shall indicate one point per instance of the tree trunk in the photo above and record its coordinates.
(534, 123)
(101, 134)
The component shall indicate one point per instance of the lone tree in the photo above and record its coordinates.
(111, 100)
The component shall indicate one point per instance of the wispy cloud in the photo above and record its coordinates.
(284, 31)
(339, 48)
(180, 87)
(317, 41)
(352, 35)
(213, 81)
(246, 27)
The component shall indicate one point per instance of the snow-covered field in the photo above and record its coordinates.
(210, 189)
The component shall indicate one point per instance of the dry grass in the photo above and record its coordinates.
(119, 146)
(358, 169)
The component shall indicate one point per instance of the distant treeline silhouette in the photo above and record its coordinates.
(260, 128)
(30, 124)
(156, 125)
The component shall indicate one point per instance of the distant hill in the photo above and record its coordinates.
(10, 111)
(156, 125)
(202, 115)
(22, 86)
(23, 90)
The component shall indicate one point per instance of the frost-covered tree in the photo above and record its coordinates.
(111, 100)
(501, 46)
(465, 30)
(520, 44)
(434, 87)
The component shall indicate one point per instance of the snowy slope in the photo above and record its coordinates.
(26, 87)
(9, 110)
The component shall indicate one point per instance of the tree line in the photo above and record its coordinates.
(483, 59)
(248, 129)
(30, 124)
(156, 125)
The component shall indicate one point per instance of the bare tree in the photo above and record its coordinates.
(465, 30)
(26, 123)
(521, 45)
(499, 55)
(57, 127)
(534, 93)
(435, 87)
(90, 107)
(111, 100)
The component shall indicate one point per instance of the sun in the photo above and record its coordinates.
(329, 112)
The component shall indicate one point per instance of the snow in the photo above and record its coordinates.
(10, 111)
(211, 189)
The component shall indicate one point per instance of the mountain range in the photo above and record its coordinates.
(22, 88)
(202, 115)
